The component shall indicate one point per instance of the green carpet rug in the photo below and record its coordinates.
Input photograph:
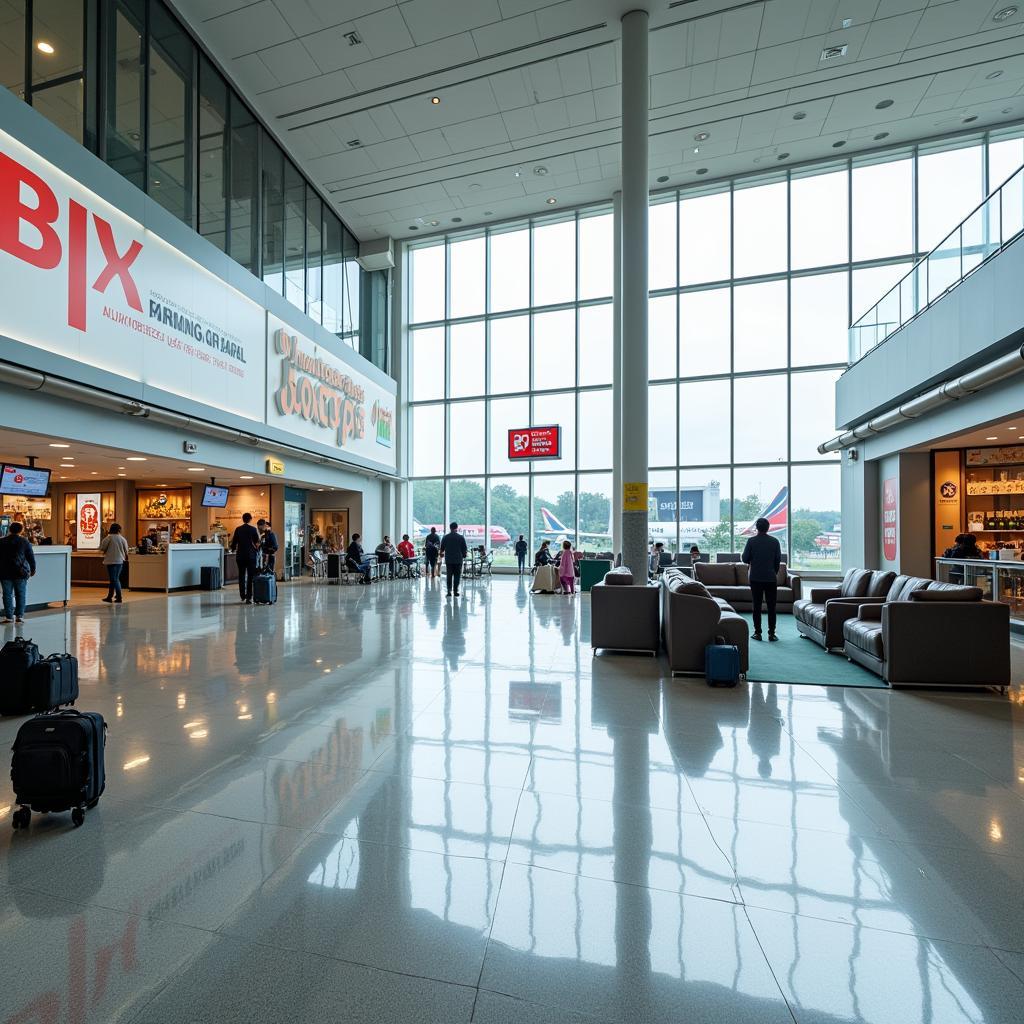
(796, 660)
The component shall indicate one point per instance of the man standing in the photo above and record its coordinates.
(17, 565)
(268, 545)
(764, 556)
(521, 549)
(454, 551)
(245, 543)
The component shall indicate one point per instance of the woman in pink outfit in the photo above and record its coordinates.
(567, 569)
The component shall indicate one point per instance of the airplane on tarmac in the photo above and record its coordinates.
(474, 533)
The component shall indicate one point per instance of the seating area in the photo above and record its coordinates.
(729, 581)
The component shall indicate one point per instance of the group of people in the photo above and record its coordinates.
(386, 554)
(565, 560)
(255, 550)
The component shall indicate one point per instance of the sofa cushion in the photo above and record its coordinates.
(855, 583)
(621, 577)
(742, 574)
(947, 592)
(910, 585)
(782, 576)
(865, 635)
(716, 574)
(684, 585)
(813, 616)
(879, 583)
(731, 594)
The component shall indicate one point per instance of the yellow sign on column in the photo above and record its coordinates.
(634, 497)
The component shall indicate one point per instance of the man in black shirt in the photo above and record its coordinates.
(521, 550)
(764, 556)
(245, 543)
(355, 560)
(268, 545)
(454, 551)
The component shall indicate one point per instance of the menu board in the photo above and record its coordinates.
(995, 456)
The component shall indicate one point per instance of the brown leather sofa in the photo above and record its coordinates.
(932, 634)
(692, 618)
(730, 581)
(624, 617)
(821, 615)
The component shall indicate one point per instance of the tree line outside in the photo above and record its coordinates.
(510, 510)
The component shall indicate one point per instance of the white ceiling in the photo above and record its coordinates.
(998, 433)
(527, 83)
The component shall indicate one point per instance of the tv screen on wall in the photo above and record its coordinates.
(215, 497)
(25, 481)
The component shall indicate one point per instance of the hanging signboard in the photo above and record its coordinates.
(532, 443)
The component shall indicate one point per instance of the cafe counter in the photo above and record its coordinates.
(1001, 580)
(178, 568)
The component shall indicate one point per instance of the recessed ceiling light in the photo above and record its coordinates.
(540, 170)
(799, 115)
(122, 474)
(135, 458)
(435, 100)
(456, 220)
(702, 170)
(782, 156)
(662, 178)
(63, 478)
(884, 104)
(517, 173)
(994, 74)
(55, 445)
(156, 181)
(839, 144)
(992, 438)
(488, 213)
(44, 47)
(245, 478)
(970, 119)
(120, 467)
(702, 136)
(1011, 428)
(551, 200)
(434, 223)
(412, 227)
(1006, 12)
(192, 469)
(94, 473)
(881, 135)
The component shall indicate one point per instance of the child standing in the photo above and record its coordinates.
(567, 569)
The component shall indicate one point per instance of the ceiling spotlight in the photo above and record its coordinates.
(434, 223)
(799, 115)
(192, 469)
(1006, 12)
(970, 119)
(880, 136)
(122, 474)
(540, 170)
(245, 478)
(994, 74)
(456, 220)
(435, 100)
(488, 213)
(412, 227)
(782, 156)
(55, 445)
(135, 458)
(993, 438)
(44, 47)
(702, 136)
(702, 170)
(884, 104)
(662, 178)
(517, 173)
(551, 200)
(1011, 428)
(839, 144)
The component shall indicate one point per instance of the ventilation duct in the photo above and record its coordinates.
(960, 387)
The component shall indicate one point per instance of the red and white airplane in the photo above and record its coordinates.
(474, 533)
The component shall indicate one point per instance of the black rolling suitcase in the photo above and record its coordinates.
(16, 659)
(209, 577)
(52, 682)
(335, 567)
(58, 765)
(264, 588)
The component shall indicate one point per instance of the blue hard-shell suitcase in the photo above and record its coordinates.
(721, 663)
(264, 588)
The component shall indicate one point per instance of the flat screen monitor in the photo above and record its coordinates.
(25, 481)
(215, 497)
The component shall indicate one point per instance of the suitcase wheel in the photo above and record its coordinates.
(77, 816)
(21, 817)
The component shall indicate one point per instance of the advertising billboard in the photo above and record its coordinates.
(525, 443)
(664, 502)
(890, 516)
(88, 522)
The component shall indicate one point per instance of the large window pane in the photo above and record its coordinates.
(819, 319)
(467, 269)
(596, 429)
(554, 263)
(244, 243)
(426, 432)
(61, 23)
(704, 500)
(427, 507)
(815, 520)
(510, 270)
(1004, 158)
(760, 491)
(352, 306)
(557, 494)
(554, 350)
(597, 263)
(62, 104)
(949, 186)
(466, 507)
(510, 354)
(813, 411)
(760, 326)
(704, 332)
(333, 272)
(125, 76)
(510, 511)
(213, 151)
(273, 215)
(294, 235)
(704, 422)
(558, 410)
(661, 337)
(466, 438)
(883, 210)
(704, 232)
(760, 229)
(466, 366)
(661, 245)
(663, 507)
(507, 414)
(426, 348)
(595, 512)
(820, 219)
(426, 284)
(870, 284)
(314, 254)
(661, 425)
(760, 418)
(596, 344)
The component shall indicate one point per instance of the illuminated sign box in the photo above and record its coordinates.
(527, 443)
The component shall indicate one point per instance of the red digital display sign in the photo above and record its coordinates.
(535, 443)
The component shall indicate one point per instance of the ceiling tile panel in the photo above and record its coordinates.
(331, 12)
(733, 72)
(551, 117)
(740, 30)
(287, 62)
(249, 29)
(890, 36)
(423, 60)
(431, 145)
(603, 66)
(521, 123)
(544, 81)
(289, 98)
(505, 35)
(332, 51)
(511, 90)
(949, 21)
(434, 19)
(458, 104)
(784, 21)
(607, 103)
(252, 75)
(387, 123)
(581, 109)
(389, 156)
(484, 131)
(384, 32)
(301, 17)
(574, 70)
(670, 49)
(340, 166)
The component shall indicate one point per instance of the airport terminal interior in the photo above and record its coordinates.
(512, 511)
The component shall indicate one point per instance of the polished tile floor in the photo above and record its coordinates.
(376, 805)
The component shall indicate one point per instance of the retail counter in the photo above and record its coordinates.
(999, 581)
(176, 568)
(52, 581)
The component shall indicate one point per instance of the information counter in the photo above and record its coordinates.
(999, 581)
(52, 581)
(177, 568)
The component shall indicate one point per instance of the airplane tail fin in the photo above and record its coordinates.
(552, 524)
(776, 512)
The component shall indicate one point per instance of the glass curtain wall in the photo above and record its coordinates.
(754, 283)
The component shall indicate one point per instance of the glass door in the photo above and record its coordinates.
(294, 538)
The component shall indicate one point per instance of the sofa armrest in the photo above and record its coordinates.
(819, 595)
(838, 611)
(794, 584)
(952, 643)
(869, 612)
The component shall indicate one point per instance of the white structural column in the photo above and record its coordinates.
(617, 376)
(633, 365)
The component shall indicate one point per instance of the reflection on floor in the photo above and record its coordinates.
(373, 804)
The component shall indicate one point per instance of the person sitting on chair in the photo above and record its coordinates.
(543, 556)
(408, 553)
(387, 555)
(355, 560)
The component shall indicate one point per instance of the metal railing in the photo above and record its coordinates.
(983, 233)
